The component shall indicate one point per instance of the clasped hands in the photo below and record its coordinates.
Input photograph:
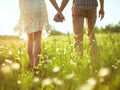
(59, 17)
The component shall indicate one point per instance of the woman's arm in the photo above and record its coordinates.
(63, 5)
(20, 4)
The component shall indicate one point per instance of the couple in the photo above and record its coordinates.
(33, 16)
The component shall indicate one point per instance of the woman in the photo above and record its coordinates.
(33, 16)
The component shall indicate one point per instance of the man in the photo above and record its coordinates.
(82, 9)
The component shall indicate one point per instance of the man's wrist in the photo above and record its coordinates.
(59, 11)
(101, 8)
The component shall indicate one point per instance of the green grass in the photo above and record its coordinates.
(59, 67)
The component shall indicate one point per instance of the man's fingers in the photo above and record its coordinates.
(101, 14)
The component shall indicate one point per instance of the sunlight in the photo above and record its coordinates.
(24, 37)
(8, 16)
(44, 35)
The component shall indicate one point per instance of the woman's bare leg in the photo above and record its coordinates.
(30, 48)
(37, 47)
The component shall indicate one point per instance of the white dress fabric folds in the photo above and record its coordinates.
(33, 16)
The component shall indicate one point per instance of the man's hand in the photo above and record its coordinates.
(59, 17)
(101, 14)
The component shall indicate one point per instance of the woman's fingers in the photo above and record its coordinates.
(59, 17)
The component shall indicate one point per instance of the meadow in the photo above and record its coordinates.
(59, 67)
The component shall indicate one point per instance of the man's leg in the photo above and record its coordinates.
(90, 20)
(78, 24)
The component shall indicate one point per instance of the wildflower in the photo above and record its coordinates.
(71, 45)
(15, 66)
(70, 76)
(63, 65)
(57, 81)
(18, 59)
(18, 82)
(85, 87)
(46, 61)
(57, 49)
(56, 69)
(73, 63)
(92, 82)
(89, 85)
(118, 61)
(114, 66)
(104, 72)
(19, 52)
(8, 61)
(47, 82)
(10, 52)
(100, 35)
(6, 69)
(2, 47)
(3, 64)
(36, 79)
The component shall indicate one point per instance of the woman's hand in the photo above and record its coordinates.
(59, 17)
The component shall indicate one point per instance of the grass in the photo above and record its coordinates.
(59, 67)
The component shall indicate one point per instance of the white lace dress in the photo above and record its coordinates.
(33, 16)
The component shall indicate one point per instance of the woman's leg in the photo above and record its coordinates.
(30, 48)
(37, 47)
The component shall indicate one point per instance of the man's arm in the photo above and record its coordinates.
(101, 11)
(54, 3)
(101, 4)
(63, 5)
